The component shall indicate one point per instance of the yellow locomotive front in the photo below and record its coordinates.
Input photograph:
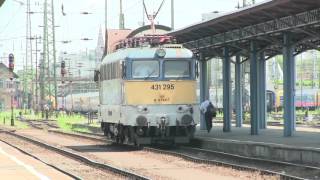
(160, 95)
(148, 95)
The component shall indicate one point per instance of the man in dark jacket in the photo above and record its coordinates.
(209, 112)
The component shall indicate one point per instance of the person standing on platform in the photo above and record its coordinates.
(46, 109)
(209, 112)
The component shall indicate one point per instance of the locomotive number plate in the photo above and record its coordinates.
(157, 87)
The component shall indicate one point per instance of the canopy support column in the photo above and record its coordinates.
(288, 85)
(262, 91)
(204, 89)
(226, 91)
(254, 89)
(238, 92)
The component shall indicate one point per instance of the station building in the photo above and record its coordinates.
(8, 88)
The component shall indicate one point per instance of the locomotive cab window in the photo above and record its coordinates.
(96, 75)
(145, 69)
(177, 69)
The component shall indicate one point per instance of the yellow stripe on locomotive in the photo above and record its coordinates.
(160, 92)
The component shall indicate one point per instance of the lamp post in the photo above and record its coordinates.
(11, 68)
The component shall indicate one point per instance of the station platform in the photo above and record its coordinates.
(16, 165)
(303, 147)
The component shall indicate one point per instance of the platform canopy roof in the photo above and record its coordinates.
(260, 21)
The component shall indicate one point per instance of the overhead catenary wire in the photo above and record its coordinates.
(152, 17)
(160, 7)
(10, 20)
(13, 38)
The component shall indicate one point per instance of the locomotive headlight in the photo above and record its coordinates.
(161, 53)
(183, 108)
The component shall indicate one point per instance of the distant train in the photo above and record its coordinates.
(307, 98)
(80, 103)
(304, 99)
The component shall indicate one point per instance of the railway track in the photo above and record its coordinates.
(266, 167)
(42, 124)
(78, 157)
(242, 163)
(138, 160)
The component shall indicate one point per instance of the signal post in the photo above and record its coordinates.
(11, 68)
(63, 72)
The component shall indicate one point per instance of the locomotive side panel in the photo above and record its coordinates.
(111, 101)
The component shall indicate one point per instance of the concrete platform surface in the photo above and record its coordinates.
(16, 165)
(303, 147)
(303, 137)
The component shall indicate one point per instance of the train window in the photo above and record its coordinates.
(102, 73)
(123, 70)
(105, 72)
(101, 70)
(308, 98)
(1, 84)
(177, 69)
(108, 72)
(111, 71)
(145, 69)
(114, 71)
(118, 70)
(96, 75)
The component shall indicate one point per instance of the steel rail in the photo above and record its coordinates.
(36, 126)
(212, 162)
(225, 164)
(126, 173)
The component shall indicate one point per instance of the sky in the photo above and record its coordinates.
(74, 26)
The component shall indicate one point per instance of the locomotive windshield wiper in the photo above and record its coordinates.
(149, 75)
(181, 77)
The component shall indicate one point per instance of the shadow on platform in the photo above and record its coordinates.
(302, 148)
(303, 137)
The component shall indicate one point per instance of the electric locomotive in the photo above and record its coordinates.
(147, 92)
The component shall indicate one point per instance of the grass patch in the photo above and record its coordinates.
(5, 119)
(65, 122)
(85, 130)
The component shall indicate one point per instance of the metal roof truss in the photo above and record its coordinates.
(305, 27)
